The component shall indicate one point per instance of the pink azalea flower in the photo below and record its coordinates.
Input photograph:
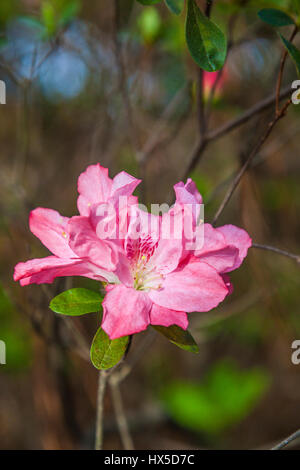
(151, 279)
(76, 249)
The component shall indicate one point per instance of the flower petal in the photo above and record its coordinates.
(94, 185)
(187, 193)
(193, 287)
(239, 238)
(166, 256)
(123, 185)
(51, 228)
(45, 270)
(216, 252)
(166, 317)
(125, 311)
(85, 243)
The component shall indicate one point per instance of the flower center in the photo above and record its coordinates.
(144, 272)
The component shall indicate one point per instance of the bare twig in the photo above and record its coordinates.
(248, 161)
(122, 78)
(286, 441)
(12, 74)
(100, 409)
(155, 139)
(281, 69)
(258, 108)
(277, 250)
(120, 413)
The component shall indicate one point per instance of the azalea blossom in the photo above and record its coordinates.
(150, 279)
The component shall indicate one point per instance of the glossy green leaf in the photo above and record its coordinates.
(176, 6)
(293, 51)
(275, 17)
(206, 42)
(148, 2)
(181, 338)
(78, 301)
(106, 353)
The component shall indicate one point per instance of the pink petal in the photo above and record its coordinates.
(216, 252)
(239, 238)
(125, 311)
(85, 243)
(222, 260)
(51, 228)
(213, 240)
(189, 199)
(94, 185)
(187, 193)
(45, 270)
(166, 317)
(166, 256)
(123, 185)
(194, 287)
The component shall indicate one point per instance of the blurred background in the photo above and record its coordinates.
(88, 83)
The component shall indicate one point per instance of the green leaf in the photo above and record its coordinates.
(148, 2)
(69, 12)
(275, 17)
(49, 17)
(293, 51)
(181, 338)
(78, 301)
(176, 6)
(225, 397)
(106, 353)
(206, 42)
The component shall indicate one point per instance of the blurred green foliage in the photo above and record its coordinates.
(14, 333)
(150, 24)
(223, 398)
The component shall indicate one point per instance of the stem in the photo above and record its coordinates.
(247, 163)
(281, 69)
(100, 409)
(286, 441)
(277, 250)
(230, 126)
(120, 414)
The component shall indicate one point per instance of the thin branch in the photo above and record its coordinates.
(286, 441)
(100, 409)
(258, 108)
(155, 140)
(122, 78)
(281, 69)
(278, 251)
(120, 413)
(9, 70)
(248, 161)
